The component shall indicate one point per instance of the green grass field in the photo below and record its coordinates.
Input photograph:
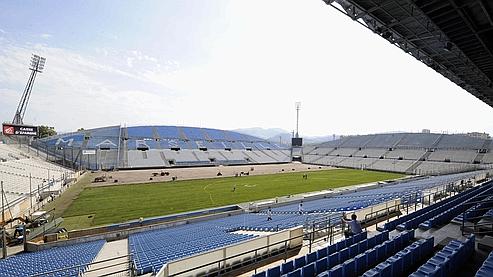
(102, 205)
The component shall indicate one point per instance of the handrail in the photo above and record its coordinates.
(387, 210)
(474, 220)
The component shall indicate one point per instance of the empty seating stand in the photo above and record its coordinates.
(452, 209)
(447, 260)
(413, 220)
(486, 270)
(61, 261)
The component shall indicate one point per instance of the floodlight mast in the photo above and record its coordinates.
(36, 66)
(298, 107)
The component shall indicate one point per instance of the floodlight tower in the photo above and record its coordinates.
(298, 107)
(37, 65)
(296, 141)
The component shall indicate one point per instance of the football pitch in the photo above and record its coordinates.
(111, 204)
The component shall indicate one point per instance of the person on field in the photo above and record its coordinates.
(269, 214)
(353, 224)
(300, 208)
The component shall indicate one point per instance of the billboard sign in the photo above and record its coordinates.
(19, 130)
(88, 152)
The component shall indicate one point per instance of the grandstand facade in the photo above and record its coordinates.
(27, 179)
(412, 153)
(157, 147)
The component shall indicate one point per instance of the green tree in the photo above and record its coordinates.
(46, 131)
(80, 129)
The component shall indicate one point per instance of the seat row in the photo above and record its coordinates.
(452, 209)
(322, 253)
(349, 261)
(447, 260)
(402, 262)
(412, 220)
(476, 210)
(439, 208)
(371, 257)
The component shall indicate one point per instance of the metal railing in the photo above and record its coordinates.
(445, 192)
(481, 224)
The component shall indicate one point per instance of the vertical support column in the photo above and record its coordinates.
(30, 192)
(4, 237)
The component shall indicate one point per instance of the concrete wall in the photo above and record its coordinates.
(127, 229)
(163, 221)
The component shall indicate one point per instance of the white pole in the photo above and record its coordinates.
(4, 237)
(30, 192)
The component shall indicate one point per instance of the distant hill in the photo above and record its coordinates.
(262, 133)
(274, 134)
(320, 139)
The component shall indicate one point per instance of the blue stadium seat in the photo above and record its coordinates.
(287, 267)
(333, 260)
(322, 253)
(362, 246)
(397, 265)
(274, 271)
(336, 271)
(371, 257)
(321, 265)
(406, 256)
(299, 262)
(308, 270)
(381, 251)
(349, 268)
(385, 269)
(353, 250)
(343, 254)
(311, 257)
(360, 262)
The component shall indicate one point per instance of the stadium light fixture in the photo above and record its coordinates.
(37, 63)
(36, 66)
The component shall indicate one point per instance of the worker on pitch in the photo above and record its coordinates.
(353, 224)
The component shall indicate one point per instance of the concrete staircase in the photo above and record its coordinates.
(480, 155)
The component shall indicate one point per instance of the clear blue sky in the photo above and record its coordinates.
(221, 64)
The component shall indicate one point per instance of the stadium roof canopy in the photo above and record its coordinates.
(454, 37)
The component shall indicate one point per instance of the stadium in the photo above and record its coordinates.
(172, 200)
